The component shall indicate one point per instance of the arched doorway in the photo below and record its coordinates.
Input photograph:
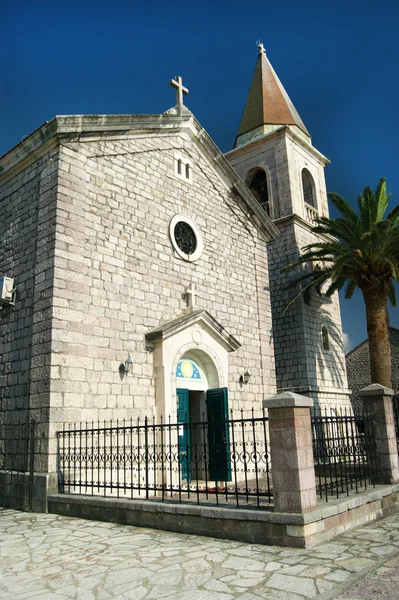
(202, 416)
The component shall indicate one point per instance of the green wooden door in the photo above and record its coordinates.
(218, 435)
(183, 419)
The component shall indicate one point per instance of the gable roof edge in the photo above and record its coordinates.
(64, 125)
(170, 328)
(257, 214)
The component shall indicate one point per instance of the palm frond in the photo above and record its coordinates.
(343, 207)
(350, 288)
(393, 216)
(382, 199)
(356, 250)
(392, 294)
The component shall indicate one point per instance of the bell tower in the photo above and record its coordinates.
(274, 155)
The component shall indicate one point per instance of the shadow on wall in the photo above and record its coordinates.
(331, 360)
(324, 346)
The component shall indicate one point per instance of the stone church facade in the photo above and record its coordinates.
(143, 265)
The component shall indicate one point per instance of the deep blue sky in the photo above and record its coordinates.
(339, 62)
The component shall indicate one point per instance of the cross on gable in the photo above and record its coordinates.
(180, 89)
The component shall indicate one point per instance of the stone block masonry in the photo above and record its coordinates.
(302, 364)
(294, 485)
(255, 527)
(377, 400)
(27, 233)
(358, 367)
(117, 276)
(101, 272)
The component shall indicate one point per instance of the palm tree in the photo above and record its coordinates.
(359, 249)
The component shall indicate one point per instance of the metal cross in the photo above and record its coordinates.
(180, 89)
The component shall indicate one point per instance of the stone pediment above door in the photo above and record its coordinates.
(196, 320)
(194, 336)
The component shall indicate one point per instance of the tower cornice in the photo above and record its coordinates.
(284, 130)
(298, 220)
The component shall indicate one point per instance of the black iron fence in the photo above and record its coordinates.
(16, 464)
(208, 461)
(344, 452)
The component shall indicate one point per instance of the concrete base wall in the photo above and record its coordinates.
(16, 491)
(253, 526)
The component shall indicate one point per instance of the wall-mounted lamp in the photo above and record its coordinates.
(245, 378)
(126, 367)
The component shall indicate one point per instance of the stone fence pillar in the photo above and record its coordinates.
(377, 400)
(293, 475)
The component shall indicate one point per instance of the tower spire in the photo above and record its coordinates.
(268, 104)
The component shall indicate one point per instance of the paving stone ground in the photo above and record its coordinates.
(50, 557)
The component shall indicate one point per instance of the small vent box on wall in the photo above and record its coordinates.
(7, 290)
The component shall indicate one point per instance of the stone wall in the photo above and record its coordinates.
(86, 238)
(283, 156)
(252, 526)
(117, 275)
(302, 364)
(27, 208)
(358, 367)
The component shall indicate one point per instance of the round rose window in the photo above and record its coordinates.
(185, 238)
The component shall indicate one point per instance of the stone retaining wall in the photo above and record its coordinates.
(253, 526)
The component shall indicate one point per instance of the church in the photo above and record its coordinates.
(140, 268)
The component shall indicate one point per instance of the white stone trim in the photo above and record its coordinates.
(288, 400)
(192, 348)
(200, 244)
(167, 353)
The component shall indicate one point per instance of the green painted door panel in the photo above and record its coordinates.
(183, 419)
(218, 435)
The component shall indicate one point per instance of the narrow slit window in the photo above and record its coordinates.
(183, 168)
(325, 338)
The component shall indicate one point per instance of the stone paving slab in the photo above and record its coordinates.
(383, 584)
(50, 557)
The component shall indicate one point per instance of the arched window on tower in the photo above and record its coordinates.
(308, 187)
(256, 181)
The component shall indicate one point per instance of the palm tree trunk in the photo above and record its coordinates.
(377, 318)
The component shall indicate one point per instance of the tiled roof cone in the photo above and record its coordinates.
(268, 103)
